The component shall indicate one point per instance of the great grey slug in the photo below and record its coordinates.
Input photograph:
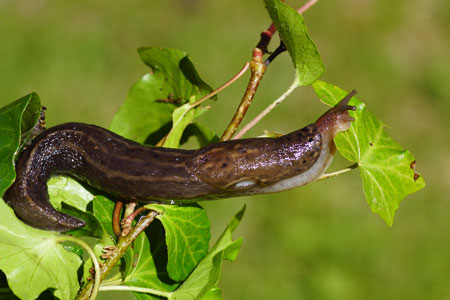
(129, 171)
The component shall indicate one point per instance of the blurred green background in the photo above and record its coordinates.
(317, 242)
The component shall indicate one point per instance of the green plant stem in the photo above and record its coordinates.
(333, 174)
(96, 285)
(265, 112)
(223, 86)
(258, 69)
(212, 94)
(135, 289)
(122, 246)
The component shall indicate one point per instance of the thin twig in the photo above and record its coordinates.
(306, 6)
(92, 292)
(116, 218)
(122, 245)
(135, 289)
(333, 174)
(261, 115)
(258, 68)
(212, 94)
(224, 86)
(128, 221)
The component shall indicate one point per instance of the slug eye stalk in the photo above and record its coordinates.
(337, 118)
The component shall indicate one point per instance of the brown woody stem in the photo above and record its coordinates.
(122, 245)
(258, 68)
(116, 217)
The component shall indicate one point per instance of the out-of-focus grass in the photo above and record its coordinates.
(317, 242)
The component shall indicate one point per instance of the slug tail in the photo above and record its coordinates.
(39, 213)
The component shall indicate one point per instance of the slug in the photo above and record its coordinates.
(129, 171)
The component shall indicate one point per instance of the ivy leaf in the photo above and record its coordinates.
(293, 32)
(140, 114)
(387, 170)
(16, 119)
(203, 280)
(146, 263)
(178, 71)
(204, 135)
(67, 190)
(182, 116)
(187, 236)
(103, 210)
(213, 294)
(33, 260)
(173, 76)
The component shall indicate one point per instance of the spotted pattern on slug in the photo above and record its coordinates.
(129, 171)
(260, 160)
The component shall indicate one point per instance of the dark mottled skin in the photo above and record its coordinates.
(130, 171)
(265, 160)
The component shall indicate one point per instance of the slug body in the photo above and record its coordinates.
(129, 171)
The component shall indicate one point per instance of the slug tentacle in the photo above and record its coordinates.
(337, 118)
(127, 170)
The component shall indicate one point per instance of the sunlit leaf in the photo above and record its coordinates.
(67, 190)
(16, 119)
(293, 32)
(182, 116)
(147, 108)
(387, 170)
(203, 280)
(146, 263)
(33, 260)
(187, 237)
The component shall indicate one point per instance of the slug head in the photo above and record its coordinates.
(337, 118)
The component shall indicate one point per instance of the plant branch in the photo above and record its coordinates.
(116, 218)
(224, 86)
(96, 286)
(333, 174)
(261, 115)
(135, 289)
(306, 6)
(128, 221)
(281, 48)
(122, 245)
(258, 68)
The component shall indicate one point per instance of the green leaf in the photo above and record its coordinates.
(387, 170)
(140, 114)
(293, 32)
(182, 116)
(178, 71)
(103, 210)
(146, 263)
(33, 260)
(67, 190)
(203, 280)
(204, 135)
(173, 76)
(213, 294)
(16, 119)
(187, 236)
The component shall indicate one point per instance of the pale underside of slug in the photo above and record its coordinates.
(129, 171)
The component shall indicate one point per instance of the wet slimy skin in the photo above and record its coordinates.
(129, 171)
